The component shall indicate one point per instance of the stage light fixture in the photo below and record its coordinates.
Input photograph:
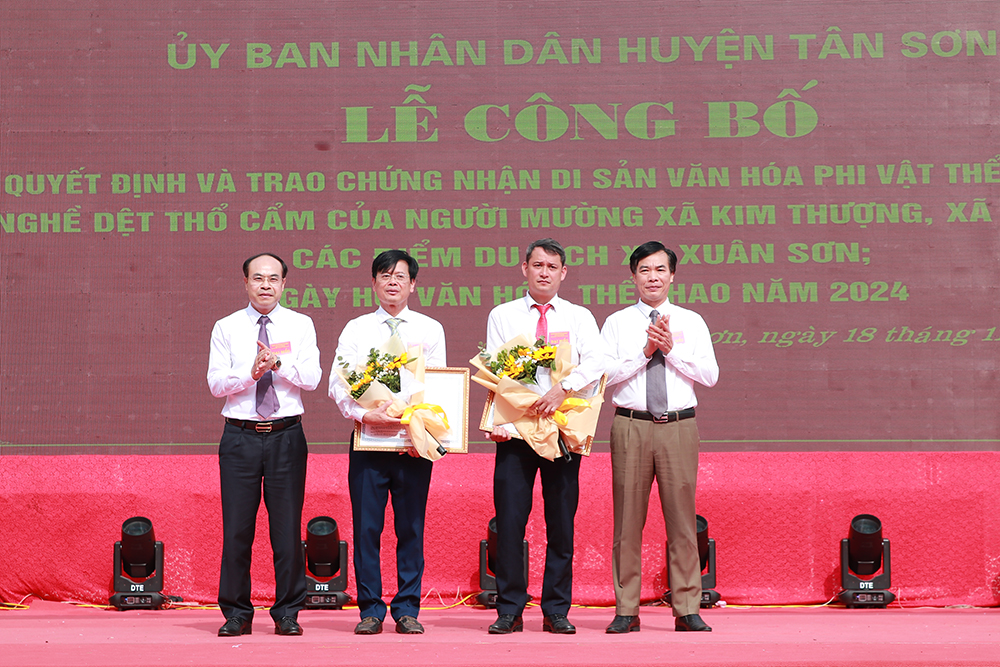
(487, 596)
(862, 553)
(326, 565)
(706, 556)
(138, 564)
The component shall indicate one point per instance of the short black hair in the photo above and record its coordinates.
(551, 246)
(651, 248)
(246, 264)
(388, 259)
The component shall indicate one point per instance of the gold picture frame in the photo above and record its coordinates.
(447, 387)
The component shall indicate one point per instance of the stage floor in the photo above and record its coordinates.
(65, 635)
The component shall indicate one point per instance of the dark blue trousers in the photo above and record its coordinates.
(275, 462)
(372, 477)
(517, 464)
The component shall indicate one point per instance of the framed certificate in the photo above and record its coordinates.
(445, 387)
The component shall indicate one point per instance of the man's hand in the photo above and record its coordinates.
(658, 336)
(263, 362)
(547, 405)
(499, 434)
(379, 417)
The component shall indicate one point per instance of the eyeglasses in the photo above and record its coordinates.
(390, 277)
(258, 279)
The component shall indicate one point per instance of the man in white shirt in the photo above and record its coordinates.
(656, 351)
(373, 476)
(540, 314)
(261, 358)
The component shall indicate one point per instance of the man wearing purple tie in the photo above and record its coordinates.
(261, 358)
(655, 352)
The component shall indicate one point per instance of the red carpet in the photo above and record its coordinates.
(63, 635)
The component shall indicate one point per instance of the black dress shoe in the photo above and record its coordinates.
(407, 625)
(690, 623)
(368, 626)
(235, 626)
(558, 624)
(623, 624)
(506, 624)
(287, 626)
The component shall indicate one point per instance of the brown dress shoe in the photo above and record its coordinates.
(407, 625)
(368, 626)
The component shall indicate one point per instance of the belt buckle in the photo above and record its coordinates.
(662, 419)
(264, 427)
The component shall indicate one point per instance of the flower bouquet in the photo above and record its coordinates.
(396, 374)
(518, 373)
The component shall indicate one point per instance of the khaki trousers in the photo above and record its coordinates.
(640, 451)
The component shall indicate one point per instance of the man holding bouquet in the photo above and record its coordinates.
(373, 476)
(656, 351)
(540, 314)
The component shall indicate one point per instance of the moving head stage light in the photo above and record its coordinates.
(862, 553)
(326, 565)
(138, 575)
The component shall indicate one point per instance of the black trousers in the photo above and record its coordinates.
(513, 480)
(250, 462)
(372, 477)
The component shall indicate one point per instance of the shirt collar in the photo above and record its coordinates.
(382, 315)
(647, 310)
(254, 314)
(531, 303)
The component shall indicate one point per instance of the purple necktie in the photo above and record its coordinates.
(267, 400)
(656, 379)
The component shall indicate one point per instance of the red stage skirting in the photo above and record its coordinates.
(777, 519)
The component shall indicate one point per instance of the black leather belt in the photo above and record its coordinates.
(670, 416)
(265, 427)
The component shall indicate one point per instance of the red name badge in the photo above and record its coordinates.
(281, 348)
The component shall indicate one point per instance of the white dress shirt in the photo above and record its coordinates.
(370, 331)
(292, 337)
(566, 321)
(692, 358)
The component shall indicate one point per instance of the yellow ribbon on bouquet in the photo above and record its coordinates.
(568, 405)
(436, 409)
(427, 425)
